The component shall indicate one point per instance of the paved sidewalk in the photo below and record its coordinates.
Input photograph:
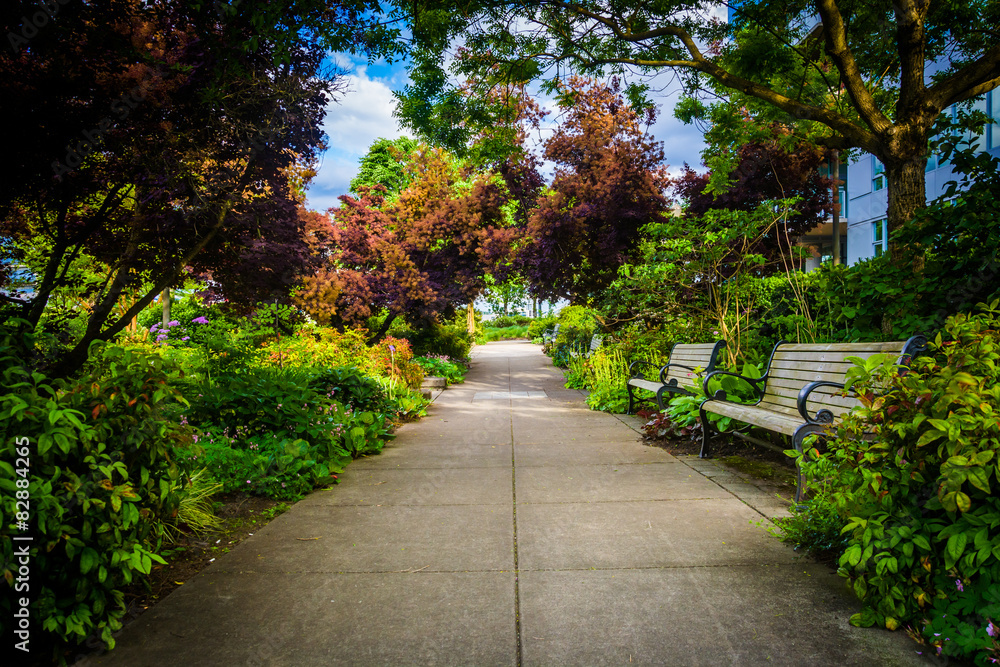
(508, 528)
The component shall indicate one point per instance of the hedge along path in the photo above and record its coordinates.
(523, 530)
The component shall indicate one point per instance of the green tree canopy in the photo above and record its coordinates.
(855, 74)
(385, 164)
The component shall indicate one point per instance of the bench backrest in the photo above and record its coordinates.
(792, 366)
(685, 357)
(595, 342)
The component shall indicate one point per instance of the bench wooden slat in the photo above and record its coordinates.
(815, 399)
(649, 385)
(787, 403)
(891, 347)
(690, 359)
(683, 377)
(827, 356)
(810, 376)
(773, 421)
(779, 365)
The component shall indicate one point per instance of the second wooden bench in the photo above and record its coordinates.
(686, 360)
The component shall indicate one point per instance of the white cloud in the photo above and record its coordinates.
(365, 113)
(352, 124)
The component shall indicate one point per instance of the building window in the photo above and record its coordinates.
(843, 202)
(878, 175)
(880, 237)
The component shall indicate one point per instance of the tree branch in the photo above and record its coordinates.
(976, 78)
(910, 43)
(843, 59)
(854, 135)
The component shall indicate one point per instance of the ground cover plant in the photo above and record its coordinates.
(504, 333)
(439, 365)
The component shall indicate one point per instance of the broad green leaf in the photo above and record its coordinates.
(88, 559)
(954, 548)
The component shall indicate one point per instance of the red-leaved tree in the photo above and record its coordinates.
(420, 256)
(608, 183)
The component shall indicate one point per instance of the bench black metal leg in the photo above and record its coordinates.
(706, 426)
(797, 438)
(631, 399)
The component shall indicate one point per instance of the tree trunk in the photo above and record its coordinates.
(470, 320)
(907, 195)
(380, 334)
(165, 303)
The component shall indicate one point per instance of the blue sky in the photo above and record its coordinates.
(364, 114)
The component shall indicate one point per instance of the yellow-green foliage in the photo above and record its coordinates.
(323, 346)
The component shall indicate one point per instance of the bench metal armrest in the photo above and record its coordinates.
(636, 364)
(663, 371)
(721, 394)
(824, 416)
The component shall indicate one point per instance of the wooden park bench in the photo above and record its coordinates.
(802, 391)
(685, 360)
(595, 343)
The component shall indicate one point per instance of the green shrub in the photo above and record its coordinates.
(350, 387)
(282, 432)
(578, 372)
(923, 515)
(539, 326)
(450, 340)
(504, 321)
(577, 324)
(100, 483)
(815, 527)
(277, 468)
(609, 373)
(506, 333)
(442, 366)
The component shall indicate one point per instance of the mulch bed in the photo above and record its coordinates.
(766, 464)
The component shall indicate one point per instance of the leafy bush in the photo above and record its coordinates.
(815, 527)
(273, 467)
(923, 520)
(441, 366)
(285, 404)
(94, 463)
(609, 373)
(325, 347)
(348, 386)
(577, 324)
(506, 333)
(668, 426)
(539, 326)
(504, 321)
(451, 340)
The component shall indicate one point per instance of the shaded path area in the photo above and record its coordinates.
(512, 528)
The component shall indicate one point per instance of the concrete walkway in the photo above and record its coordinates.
(507, 528)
